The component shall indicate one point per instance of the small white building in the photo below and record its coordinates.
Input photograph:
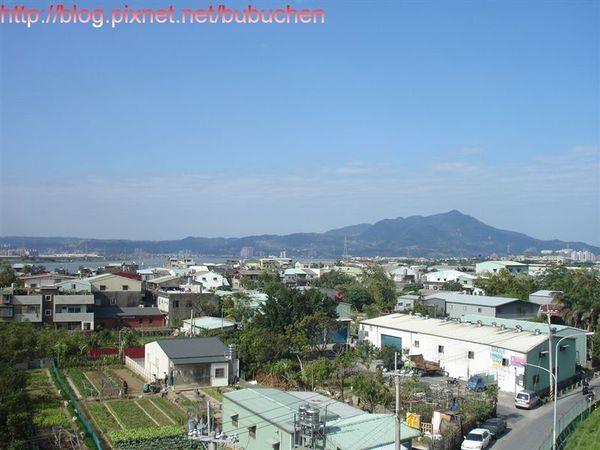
(211, 281)
(465, 349)
(197, 361)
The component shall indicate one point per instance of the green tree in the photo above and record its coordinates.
(333, 279)
(318, 372)
(387, 354)
(371, 390)
(358, 296)
(454, 286)
(381, 287)
(8, 276)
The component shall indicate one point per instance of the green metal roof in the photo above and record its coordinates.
(366, 431)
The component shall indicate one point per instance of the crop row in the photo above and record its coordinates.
(170, 409)
(104, 419)
(145, 434)
(129, 414)
(154, 412)
(171, 442)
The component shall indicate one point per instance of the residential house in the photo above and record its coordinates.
(116, 317)
(179, 304)
(43, 279)
(406, 302)
(188, 362)
(116, 289)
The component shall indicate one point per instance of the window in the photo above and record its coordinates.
(73, 286)
(366, 333)
(417, 344)
(48, 312)
(102, 287)
(125, 287)
(440, 349)
(276, 446)
(47, 297)
(234, 420)
(33, 285)
(188, 304)
(113, 301)
(478, 309)
(175, 303)
(252, 431)
(74, 309)
(220, 372)
(536, 379)
(471, 355)
(504, 362)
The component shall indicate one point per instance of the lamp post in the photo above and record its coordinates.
(556, 350)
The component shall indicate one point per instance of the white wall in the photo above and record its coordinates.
(219, 381)
(155, 360)
(455, 358)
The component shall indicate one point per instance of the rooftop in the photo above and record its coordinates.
(510, 339)
(346, 425)
(117, 311)
(476, 300)
(209, 323)
(193, 350)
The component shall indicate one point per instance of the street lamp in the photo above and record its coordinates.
(556, 349)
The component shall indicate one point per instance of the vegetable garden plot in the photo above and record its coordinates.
(82, 383)
(157, 414)
(170, 409)
(103, 418)
(129, 414)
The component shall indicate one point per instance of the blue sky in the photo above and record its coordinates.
(388, 109)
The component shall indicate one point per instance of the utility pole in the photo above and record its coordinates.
(550, 366)
(208, 417)
(398, 421)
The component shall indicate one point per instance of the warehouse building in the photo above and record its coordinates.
(456, 305)
(465, 348)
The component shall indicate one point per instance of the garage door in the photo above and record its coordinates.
(391, 340)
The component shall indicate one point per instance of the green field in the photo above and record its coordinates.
(122, 421)
(587, 435)
(47, 406)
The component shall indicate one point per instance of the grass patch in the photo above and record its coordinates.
(587, 434)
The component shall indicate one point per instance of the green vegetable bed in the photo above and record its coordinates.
(170, 409)
(129, 414)
(103, 418)
(155, 412)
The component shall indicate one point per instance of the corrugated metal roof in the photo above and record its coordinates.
(366, 431)
(163, 279)
(192, 347)
(509, 339)
(525, 324)
(347, 427)
(475, 300)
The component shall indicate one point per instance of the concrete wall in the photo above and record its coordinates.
(455, 357)
(156, 361)
(266, 433)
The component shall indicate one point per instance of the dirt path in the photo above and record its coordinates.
(135, 385)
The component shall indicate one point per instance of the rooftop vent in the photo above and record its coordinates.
(427, 316)
(503, 327)
(537, 331)
(494, 324)
(479, 323)
(519, 328)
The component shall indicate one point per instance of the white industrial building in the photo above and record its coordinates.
(464, 348)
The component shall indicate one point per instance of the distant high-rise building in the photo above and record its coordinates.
(246, 252)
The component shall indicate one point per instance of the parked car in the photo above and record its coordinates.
(496, 425)
(477, 439)
(526, 399)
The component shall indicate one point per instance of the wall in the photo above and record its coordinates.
(566, 364)
(219, 381)
(459, 310)
(455, 357)
(517, 310)
(156, 361)
(266, 433)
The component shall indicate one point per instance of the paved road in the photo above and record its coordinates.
(529, 428)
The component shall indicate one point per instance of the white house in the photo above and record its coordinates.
(211, 281)
(197, 361)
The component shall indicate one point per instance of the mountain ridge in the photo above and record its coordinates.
(450, 234)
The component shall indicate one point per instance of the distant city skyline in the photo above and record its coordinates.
(388, 109)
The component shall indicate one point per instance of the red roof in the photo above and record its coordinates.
(133, 276)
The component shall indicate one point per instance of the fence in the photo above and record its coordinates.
(67, 395)
(137, 368)
(132, 352)
(569, 420)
